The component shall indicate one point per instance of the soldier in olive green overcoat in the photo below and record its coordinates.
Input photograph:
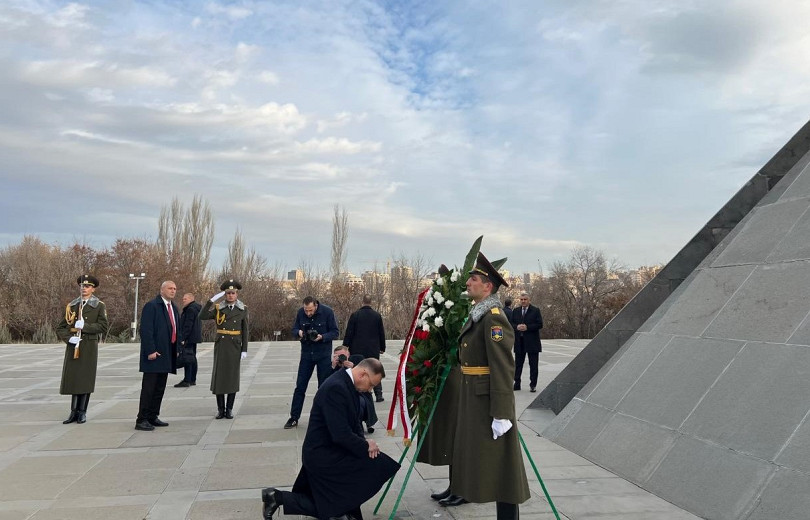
(230, 347)
(487, 463)
(84, 323)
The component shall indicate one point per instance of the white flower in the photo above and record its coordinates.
(439, 298)
(438, 321)
(426, 327)
(431, 301)
(454, 276)
(419, 322)
(440, 281)
(431, 312)
(448, 304)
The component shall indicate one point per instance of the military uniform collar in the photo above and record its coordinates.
(482, 307)
(239, 305)
(93, 301)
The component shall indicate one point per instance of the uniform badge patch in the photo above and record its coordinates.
(496, 333)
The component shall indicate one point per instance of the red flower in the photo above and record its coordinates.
(421, 334)
(415, 373)
(427, 363)
(417, 389)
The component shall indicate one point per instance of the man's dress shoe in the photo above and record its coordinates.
(442, 495)
(157, 422)
(144, 426)
(271, 497)
(452, 500)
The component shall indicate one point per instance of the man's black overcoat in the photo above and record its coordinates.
(156, 336)
(530, 339)
(337, 471)
(365, 333)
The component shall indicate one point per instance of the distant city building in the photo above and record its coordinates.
(296, 275)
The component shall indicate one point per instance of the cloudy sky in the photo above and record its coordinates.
(622, 125)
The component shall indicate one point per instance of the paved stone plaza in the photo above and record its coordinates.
(200, 468)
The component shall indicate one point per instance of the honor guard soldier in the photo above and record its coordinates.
(487, 463)
(230, 347)
(84, 323)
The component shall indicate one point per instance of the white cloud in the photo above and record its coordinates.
(72, 73)
(233, 12)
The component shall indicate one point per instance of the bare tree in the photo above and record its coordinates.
(340, 234)
(582, 287)
(408, 278)
(242, 262)
(186, 236)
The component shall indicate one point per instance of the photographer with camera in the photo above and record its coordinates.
(340, 358)
(315, 326)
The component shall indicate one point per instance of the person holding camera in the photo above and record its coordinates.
(342, 359)
(315, 327)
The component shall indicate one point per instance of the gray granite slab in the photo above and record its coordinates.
(702, 300)
(757, 402)
(710, 481)
(763, 231)
(785, 497)
(631, 447)
(769, 306)
(675, 381)
(619, 376)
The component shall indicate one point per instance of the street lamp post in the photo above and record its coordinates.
(135, 314)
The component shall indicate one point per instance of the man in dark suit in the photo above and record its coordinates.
(159, 334)
(191, 335)
(341, 469)
(527, 322)
(365, 335)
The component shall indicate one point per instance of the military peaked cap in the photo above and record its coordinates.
(230, 285)
(87, 279)
(484, 268)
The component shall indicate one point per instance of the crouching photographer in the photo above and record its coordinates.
(315, 326)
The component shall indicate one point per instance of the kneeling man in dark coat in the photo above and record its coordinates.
(341, 468)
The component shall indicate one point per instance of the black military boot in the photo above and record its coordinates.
(229, 406)
(72, 418)
(81, 408)
(506, 511)
(220, 406)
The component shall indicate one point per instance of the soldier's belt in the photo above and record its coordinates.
(229, 332)
(475, 371)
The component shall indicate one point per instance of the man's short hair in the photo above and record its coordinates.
(507, 301)
(189, 294)
(374, 366)
(524, 294)
(341, 347)
(366, 299)
(308, 300)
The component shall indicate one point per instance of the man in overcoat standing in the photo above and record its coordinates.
(487, 463)
(341, 469)
(230, 347)
(365, 335)
(84, 323)
(191, 336)
(527, 322)
(159, 334)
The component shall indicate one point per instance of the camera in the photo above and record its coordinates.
(342, 359)
(310, 333)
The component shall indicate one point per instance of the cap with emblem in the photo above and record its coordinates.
(230, 285)
(485, 268)
(87, 279)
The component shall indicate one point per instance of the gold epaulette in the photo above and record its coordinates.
(495, 310)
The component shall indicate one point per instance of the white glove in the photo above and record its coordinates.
(500, 426)
(217, 296)
(244, 355)
(74, 340)
(79, 324)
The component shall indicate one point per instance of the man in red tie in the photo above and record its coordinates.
(158, 354)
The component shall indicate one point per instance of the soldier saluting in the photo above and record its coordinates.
(83, 324)
(230, 347)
